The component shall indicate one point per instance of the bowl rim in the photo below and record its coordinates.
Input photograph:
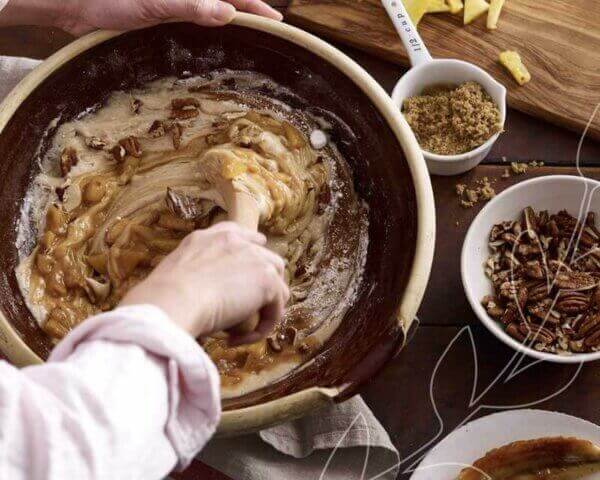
(491, 324)
(299, 403)
(481, 149)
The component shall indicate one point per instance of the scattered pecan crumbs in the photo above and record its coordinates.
(519, 168)
(68, 159)
(545, 271)
(482, 190)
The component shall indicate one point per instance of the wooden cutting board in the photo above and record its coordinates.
(559, 41)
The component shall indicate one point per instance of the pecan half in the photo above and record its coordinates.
(575, 281)
(572, 302)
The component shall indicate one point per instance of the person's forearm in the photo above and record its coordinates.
(126, 395)
(34, 12)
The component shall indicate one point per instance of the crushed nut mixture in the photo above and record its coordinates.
(545, 270)
(452, 120)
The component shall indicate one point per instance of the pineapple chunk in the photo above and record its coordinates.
(437, 6)
(474, 9)
(455, 6)
(511, 60)
(494, 13)
(416, 9)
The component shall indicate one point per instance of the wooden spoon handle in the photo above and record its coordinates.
(244, 211)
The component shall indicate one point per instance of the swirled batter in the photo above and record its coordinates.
(123, 185)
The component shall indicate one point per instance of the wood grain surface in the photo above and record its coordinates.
(558, 40)
(400, 396)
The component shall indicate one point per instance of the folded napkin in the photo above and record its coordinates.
(342, 442)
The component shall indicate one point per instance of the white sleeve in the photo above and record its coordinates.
(127, 395)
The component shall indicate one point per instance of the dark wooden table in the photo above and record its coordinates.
(407, 394)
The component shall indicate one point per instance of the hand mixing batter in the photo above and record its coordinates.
(121, 187)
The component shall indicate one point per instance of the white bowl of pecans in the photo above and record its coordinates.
(530, 268)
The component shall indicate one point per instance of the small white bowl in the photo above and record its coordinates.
(577, 195)
(451, 72)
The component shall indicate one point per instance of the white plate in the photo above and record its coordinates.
(471, 442)
(577, 195)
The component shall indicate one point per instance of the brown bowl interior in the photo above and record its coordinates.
(370, 334)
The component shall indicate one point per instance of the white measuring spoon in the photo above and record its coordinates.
(427, 72)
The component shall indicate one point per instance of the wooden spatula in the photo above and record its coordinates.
(243, 210)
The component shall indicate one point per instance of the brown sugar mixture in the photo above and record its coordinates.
(452, 120)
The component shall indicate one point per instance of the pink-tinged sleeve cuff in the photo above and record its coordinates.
(192, 378)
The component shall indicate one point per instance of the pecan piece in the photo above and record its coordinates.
(157, 129)
(526, 250)
(184, 108)
(118, 153)
(291, 335)
(274, 344)
(552, 228)
(511, 314)
(589, 325)
(490, 305)
(68, 158)
(540, 309)
(513, 330)
(136, 105)
(132, 146)
(533, 269)
(593, 340)
(95, 143)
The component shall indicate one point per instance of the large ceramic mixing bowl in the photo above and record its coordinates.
(389, 174)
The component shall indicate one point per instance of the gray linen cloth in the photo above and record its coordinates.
(342, 442)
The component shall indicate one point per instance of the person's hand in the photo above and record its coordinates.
(82, 16)
(216, 279)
